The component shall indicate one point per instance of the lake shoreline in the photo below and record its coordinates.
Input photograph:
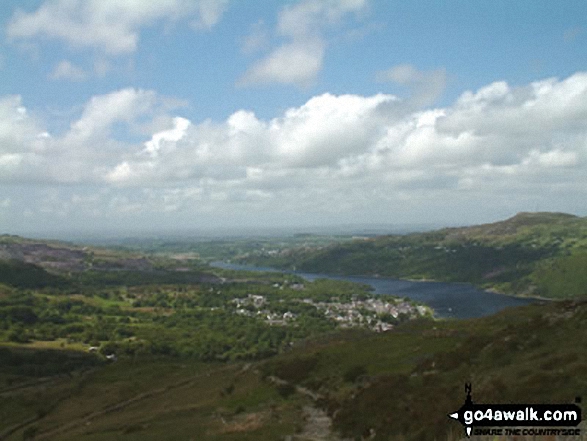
(380, 277)
(448, 300)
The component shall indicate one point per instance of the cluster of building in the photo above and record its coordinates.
(251, 306)
(372, 313)
(368, 313)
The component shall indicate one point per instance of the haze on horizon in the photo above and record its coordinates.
(191, 115)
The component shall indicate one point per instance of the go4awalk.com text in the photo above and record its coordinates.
(518, 419)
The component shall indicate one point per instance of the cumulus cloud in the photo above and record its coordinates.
(19, 144)
(106, 25)
(167, 137)
(299, 60)
(93, 143)
(102, 111)
(333, 153)
(68, 71)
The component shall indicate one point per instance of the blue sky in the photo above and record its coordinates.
(184, 114)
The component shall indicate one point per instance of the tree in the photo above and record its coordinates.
(18, 335)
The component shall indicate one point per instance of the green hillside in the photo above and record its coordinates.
(27, 275)
(37, 264)
(535, 254)
(210, 354)
(397, 385)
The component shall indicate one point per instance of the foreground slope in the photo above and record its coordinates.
(396, 385)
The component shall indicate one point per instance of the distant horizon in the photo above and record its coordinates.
(231, 232)
(247, 232)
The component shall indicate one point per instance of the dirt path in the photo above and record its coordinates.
(318, 425)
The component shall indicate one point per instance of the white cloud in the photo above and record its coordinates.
(112, 26)
(257, 40)
(167, 137)
(68, 71)
(308, 18)
(332, 154)
(425, 87)
(102, 111)
(295, 63)
(18, 140)
(359, 139)
(94, 142)
(300, 59)
(122, 172)
(209, 13)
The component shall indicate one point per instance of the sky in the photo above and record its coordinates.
(127, 116)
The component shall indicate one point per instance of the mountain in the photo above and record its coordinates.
(532, 254)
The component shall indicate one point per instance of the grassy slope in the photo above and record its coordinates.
(152, 400)
(401, 383)
(531, 253)
(414, 376)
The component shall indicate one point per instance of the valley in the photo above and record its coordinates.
(113, 343)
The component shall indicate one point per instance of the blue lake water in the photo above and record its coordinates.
(449, 300)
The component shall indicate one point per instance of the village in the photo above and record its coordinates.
(377, 314)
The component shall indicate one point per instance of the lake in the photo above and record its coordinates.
(449, 300)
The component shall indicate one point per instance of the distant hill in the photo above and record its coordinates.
(517, 224)
(27, 275)
(33, 263)
(64, 257)
(537, 254)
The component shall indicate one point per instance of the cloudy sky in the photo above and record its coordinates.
(134, 116)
